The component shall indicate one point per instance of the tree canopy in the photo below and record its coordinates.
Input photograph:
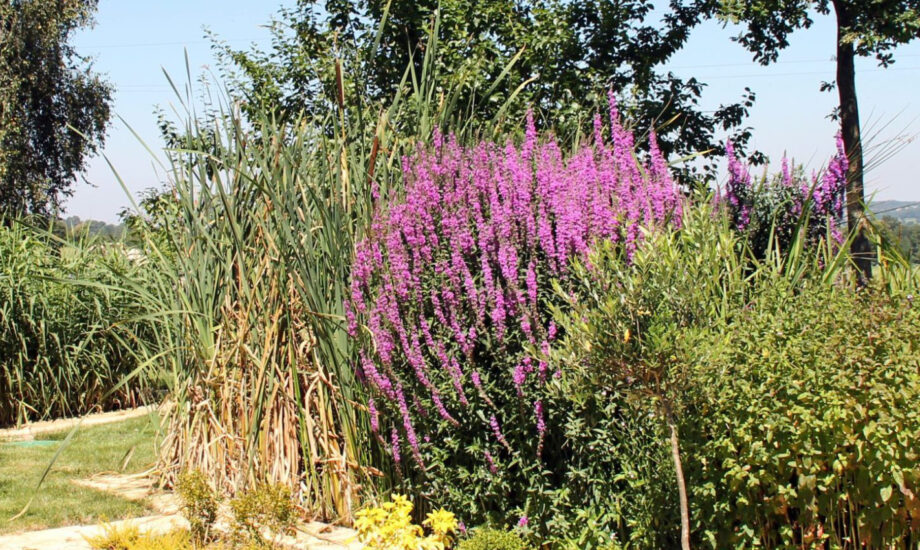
(53, 107)
(557, 55)
(872, 27)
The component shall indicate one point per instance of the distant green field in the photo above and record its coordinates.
(60, 502)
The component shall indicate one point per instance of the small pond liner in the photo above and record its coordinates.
(30, 443)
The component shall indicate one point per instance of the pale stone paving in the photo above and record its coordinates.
(308, 536)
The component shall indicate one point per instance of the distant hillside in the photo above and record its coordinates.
(904, 211)
(95, 228)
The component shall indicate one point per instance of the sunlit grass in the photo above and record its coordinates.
(59, 501)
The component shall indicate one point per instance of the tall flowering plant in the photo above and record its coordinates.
(451, 292)
(777, 208)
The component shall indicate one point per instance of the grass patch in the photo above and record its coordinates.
(60, 502)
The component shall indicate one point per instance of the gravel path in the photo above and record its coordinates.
(312, 536)
(309, 536)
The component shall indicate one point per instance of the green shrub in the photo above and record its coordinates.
(265, 506)
(632, 330)
(794, 397)
(199, 504)
(492, 539)
(806, 424)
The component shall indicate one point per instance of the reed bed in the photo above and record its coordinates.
(251, 304)
(248, 290)
(61, 343)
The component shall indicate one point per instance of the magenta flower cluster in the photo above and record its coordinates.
(450, 281)
(776, 206)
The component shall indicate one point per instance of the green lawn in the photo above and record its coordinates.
(59, 502)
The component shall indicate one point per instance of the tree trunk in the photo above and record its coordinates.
(681, 484)
(852, 144)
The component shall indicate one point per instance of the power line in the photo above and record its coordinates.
(158, 44)
(801, 73)
(787, 62)
(902, 207)
(238, 40)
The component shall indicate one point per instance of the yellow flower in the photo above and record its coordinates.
(389, 527)
(402, 503)
(441, 521)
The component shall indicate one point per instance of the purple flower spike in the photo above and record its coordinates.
(394, 445)
(450, 273)
(375, 418)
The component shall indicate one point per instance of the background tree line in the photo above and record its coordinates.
(504, 55)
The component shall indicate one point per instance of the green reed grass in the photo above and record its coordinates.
(246, 292)
(61, 350)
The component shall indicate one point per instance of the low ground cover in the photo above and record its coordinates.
(126, 446)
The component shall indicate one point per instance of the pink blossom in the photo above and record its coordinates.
(375, 418)
(523, 521)
(450, 270)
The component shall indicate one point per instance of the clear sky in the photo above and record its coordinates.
(133, 42)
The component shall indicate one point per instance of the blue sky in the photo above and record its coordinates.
(133, 42)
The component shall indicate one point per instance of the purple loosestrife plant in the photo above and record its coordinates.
(782, 206)
(452, 287)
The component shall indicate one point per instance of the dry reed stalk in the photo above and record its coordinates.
(241, 419)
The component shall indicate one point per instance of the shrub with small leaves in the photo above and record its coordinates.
(266, 506)
(493, 539)
(199, 504)
(806, 426)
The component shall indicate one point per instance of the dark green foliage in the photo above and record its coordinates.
(874, 27)
(503, 56)
(805, 425)
(492, 539)
(53, 108)
(618, 481)
(776, 217)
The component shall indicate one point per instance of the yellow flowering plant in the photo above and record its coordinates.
(389, 527)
